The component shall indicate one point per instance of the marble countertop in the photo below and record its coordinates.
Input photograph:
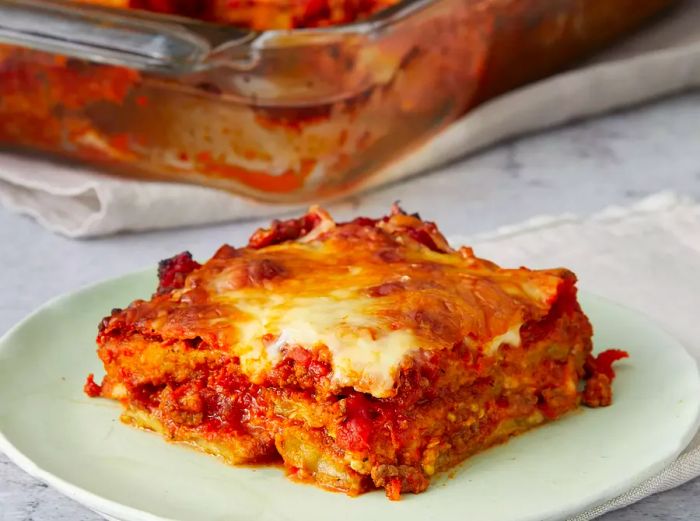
(580, 168)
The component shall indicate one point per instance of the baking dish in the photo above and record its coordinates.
(279, 115)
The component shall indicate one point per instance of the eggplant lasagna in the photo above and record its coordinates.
(367, 354)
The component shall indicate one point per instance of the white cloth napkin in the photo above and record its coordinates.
(646, 256)
(79, 202)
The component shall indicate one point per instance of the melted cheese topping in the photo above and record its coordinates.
(371, 295)
(365, 356)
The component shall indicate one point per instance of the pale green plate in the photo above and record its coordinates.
(54, 432)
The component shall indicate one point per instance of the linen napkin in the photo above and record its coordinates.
(646, 256)
(80, 202)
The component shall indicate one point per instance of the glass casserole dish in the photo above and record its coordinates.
(269, 111)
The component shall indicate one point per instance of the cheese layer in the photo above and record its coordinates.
(373, 297)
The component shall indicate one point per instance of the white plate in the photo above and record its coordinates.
(76, 444)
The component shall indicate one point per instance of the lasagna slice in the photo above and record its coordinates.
(366, 354)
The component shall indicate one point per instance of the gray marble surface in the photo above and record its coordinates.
(581, 168)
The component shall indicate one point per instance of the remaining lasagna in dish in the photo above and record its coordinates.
(261, 14)
(366, 354)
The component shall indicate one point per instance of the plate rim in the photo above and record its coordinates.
(119, 511)
(94, 502)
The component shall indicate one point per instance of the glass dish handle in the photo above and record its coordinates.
(124, 37)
